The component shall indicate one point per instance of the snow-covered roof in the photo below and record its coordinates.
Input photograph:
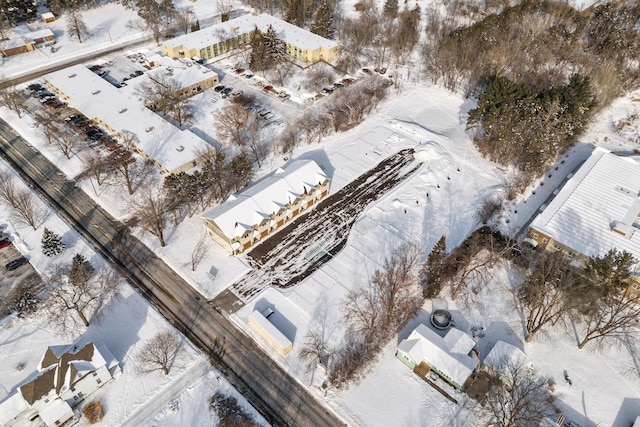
(504, 354)
(55, 411)
(47, 15)
(39, 34)
(124, 111)
(269, 329)
(597, 209)
(287, 32)
(454, 362)
(241, 211)
(11, 407)
(186, 72)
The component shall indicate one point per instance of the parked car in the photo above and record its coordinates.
(338, 85)
(218, 88)
(139, 73)
(4, 243)
(12, 265)
(268, 88)
(347, 81)
(227, 90)
(236, 93)
(34, 87)
(327, 90)
(71, 118)
(239, 70)
(44, 94)
(248, 76)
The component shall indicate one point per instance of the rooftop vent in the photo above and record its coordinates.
(180, 148)
(122, 110)
(71, 75)
(149, 129)
(95, 92)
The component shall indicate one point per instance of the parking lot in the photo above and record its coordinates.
(11, 282)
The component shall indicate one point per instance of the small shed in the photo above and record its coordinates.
(47, 17)
(269, 332)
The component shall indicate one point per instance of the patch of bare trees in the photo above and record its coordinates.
(77, 293)
(75, 25)
(517, 396)
(11, 97)
(164, 94)
(151, 209)
(241, 127)
(23, 204)
(156, 16)
(377, 309)
(158, 353)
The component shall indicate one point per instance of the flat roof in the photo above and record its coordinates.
(602, 194)
(287, 32)
(241, 211)
(124, 111)
(269, 329)
(185, 72)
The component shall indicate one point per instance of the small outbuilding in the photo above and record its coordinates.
(267, 330)
(47, 17)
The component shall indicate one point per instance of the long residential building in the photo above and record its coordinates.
(598, 209)
(225, 37)
(248, 217)
(123, 114)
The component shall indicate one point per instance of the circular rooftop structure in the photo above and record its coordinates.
(441, 319)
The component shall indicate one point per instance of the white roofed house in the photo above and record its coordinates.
(219, 39)
(451, 357)
(66, 376)
(253, 214)
(122, 113)
(191, 77)
(598, 209)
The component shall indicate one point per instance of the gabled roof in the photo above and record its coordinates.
(424, 344)
(62, 368)
(287, 32)
(242, 210)
(602, 195)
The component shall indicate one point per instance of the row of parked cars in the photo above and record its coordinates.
(97, 137)
(46, 98)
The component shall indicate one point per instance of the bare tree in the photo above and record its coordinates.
(11, 97)
(224, 8)
(66, 143)
(75, 25)
(547, 293)
(318, 76)
(397, 282)
(72, 302)
(242, 128)
(155, 16)
(123, 163)
(185, 19)
(288, 140)
(314, 126)
(199, 251)
(315, 350)
(281, 72)
(28, 208)
(7, 188)
(158, 353)
(517, 396)
(364, 312)
(152, 209)
(49, 129)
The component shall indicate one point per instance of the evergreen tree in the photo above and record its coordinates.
(51, 243)
(294, 13)
(434, 271)
(274, 47)
(322, 24)
(257, 61)
(81, 271)
(195, 26)
(390, 9)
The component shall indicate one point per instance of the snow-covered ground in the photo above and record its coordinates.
(441, 198)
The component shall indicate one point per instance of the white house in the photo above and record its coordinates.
(66, 376)
(452, 357)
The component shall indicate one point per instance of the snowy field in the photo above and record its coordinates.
(441, 198)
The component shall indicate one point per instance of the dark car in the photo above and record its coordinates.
(218, 88)
(34, 87)
(139, 73)
(133, 75)
(44, 94)
(16, 263)
(227, 90)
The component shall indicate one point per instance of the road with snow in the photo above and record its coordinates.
(278, 397)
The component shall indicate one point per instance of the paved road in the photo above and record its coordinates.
(277, 396)
(52, 66)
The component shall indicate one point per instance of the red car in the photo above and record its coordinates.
(267, 88)
(4, 244)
